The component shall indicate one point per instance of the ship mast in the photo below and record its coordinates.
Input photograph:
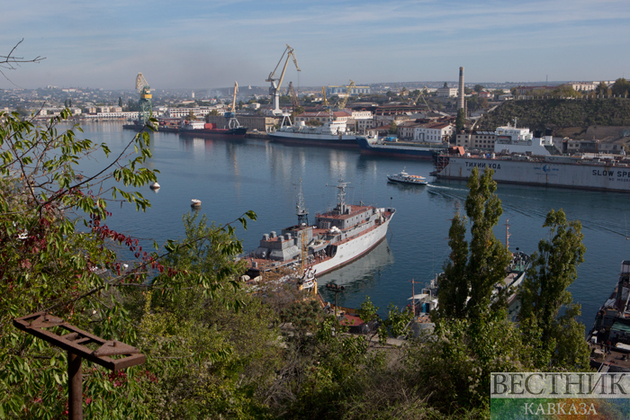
(300, 208)
(341, 196)
(507, 234)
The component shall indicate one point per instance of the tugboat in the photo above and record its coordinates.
(338, 237)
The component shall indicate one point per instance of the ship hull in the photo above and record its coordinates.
(312, 139)
(583, 175)
(353, 249)
(396, 150)
(216, 132)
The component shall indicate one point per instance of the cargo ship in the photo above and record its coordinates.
(602, 174)
(201, 129)
(331, 133)
(520, 158)
(392, 147)
(337, 238)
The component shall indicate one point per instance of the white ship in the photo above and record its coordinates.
(553, 171)
(338, 237)
(520, 158)
(331, 133)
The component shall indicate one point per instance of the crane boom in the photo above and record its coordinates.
(274, 90)
(342, 104)
(144, 104)
(234, 98)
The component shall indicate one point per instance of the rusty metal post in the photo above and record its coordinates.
(75, 387)
(110, 354)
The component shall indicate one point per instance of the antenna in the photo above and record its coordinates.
(300, 208)
(507, 234)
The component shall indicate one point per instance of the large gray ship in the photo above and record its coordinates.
(522, 159)
(551, 171)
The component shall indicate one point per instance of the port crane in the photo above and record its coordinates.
(343, 102)
(145, 106)
(231, 114)
(274, 90)
(324, 96)
(421, 95)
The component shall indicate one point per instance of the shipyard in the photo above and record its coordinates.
(350, 210)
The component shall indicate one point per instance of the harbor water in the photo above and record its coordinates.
(233, 176)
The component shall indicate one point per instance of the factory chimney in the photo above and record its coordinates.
(461, 104)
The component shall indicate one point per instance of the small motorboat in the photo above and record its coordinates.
(404, 178)
(195, 203)
(154, 186)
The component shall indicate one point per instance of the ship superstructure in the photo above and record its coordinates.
(338, 237)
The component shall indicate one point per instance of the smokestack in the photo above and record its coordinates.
(461, 88)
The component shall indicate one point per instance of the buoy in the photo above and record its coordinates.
(154, 186)
(195, 203)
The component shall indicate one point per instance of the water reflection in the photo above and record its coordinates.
(360, 274)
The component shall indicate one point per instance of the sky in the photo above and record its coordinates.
(205, 44)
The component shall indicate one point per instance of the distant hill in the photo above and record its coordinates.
(578, 118)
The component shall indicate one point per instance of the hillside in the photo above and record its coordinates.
(579, 119)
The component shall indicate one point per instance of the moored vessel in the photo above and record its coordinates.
(204, 129)
(331, 133)
(427, 300)
(372, 145)
(579, 172)
(609, 338)
(338, 237)
(521, 158)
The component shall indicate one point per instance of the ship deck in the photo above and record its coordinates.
(264, 265)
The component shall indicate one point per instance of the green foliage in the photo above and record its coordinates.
(393, 128)
(540, 114)
(460, 121)
(560, 339)
(621, 87)
(48, 264)
(465, 289)
(395, 324)
(455, 367)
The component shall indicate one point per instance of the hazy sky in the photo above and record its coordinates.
(212, 43)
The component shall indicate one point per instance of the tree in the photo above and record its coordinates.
(602, 89)
(559, 339)
(478, 88)
(393, 128)
(54, 257)
(621, 87)
(460, 121)
(466, 288)
(11, 61)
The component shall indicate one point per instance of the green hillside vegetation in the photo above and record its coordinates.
(218, 349)
(557, 114)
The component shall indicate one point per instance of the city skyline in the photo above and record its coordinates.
(200, 44)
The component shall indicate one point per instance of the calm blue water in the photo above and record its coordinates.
(231, 177)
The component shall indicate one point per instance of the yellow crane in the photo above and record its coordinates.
(421, 95)
(274, 90)
(343, 102)
(231, 115)
(144, 104)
